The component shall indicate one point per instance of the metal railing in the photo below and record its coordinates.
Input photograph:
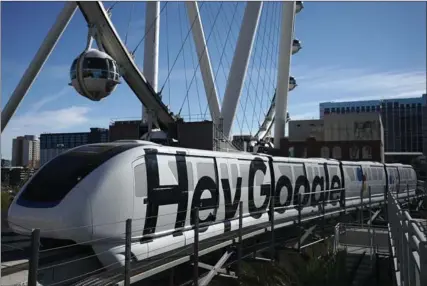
(408, 246)
(328, 208)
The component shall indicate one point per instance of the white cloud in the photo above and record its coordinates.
(32, 123)
(49, 71)
(364, 83)
(356, 84)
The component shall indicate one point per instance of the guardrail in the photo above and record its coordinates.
(199, 248)
(408, 246)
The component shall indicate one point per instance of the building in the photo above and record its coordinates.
(15, 176)
(127, 129)
(26, 151)
(5, 163)
(53, 144)
(404, 120)
(300, 130)
(424, 126)
(338, 136)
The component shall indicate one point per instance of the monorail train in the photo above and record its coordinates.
(88, 192)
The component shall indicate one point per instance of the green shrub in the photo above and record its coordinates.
(6, 199)
(294, 269)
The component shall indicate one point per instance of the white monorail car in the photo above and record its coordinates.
(87, 193)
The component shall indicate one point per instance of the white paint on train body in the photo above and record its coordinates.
(88, 192)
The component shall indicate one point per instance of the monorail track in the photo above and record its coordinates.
(255, 238)
(154, 265)
(18, 260)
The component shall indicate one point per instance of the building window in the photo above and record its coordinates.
(324, 152)
(367, 152)
(336, 152)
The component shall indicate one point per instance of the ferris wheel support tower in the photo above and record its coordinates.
(285, 52)
(204, 62)
(151, 55)
(239, 65)
(38, 61)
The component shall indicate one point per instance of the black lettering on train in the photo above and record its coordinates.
(165, 195)
(257, 165)
(158, 195)
(302, 186)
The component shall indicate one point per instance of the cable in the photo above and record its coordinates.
(250, 79)
(167, 50)
(183, 58)
(225, 76)
(130, 19)
(112, 6)
(225, 44)
(244, 86)
(180, 50)
(222, 53)
(265, 87)
(149, 29)
(193, 51)
(203, 52)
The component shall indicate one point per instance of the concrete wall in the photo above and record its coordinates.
(125, 130)
(341, 150)
(353, 127)
(424, 127)
(197, 135)
(299, 130)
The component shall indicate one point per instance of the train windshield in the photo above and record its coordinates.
(59, 176)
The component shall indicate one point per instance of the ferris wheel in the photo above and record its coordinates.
(95, 73)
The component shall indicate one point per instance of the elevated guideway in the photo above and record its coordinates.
(294, 231)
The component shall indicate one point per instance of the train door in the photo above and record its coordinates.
(317, 180)
(368, 180)
(393, 179)
(140, 196)
(351, 183)
(403, 175)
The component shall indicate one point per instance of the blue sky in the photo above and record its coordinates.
(351, 50)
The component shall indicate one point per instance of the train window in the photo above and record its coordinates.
(375, 174)
(224, 171)
(309, 173)
(244, 172)
(350, 173)
(368, 173)
(206, 169)
(380, 174)
(173, 169)
(403, 174)
(140, 181)
(285, 170)
(59, 176)
(298, 171)
(234, 174)
(190, 175)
